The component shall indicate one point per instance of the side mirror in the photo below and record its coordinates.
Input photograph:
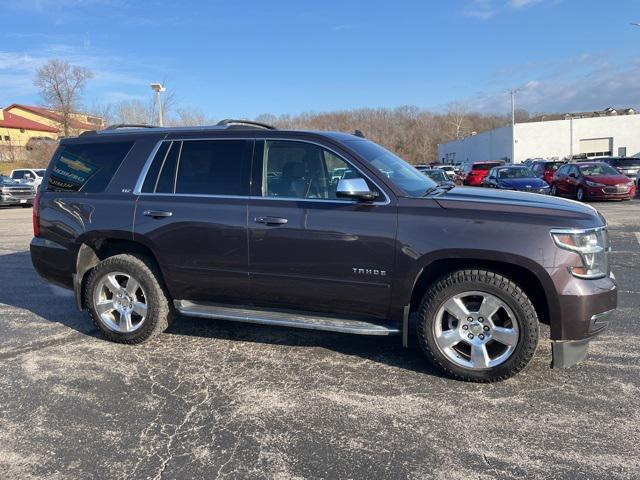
(573, 175)
(355, 188)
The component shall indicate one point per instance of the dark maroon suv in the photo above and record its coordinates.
(317, 230)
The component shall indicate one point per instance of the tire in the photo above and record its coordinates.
(151, 293)
(554, 190)
(457, 362)
(581, 195)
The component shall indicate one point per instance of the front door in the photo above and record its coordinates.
(192, 214)
(308, 249)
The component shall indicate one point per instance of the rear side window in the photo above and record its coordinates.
(86, 167)
(201, 167)
(214, 167)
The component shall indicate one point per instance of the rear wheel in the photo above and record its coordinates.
(478, 326)
(581, 195)
(126, 299)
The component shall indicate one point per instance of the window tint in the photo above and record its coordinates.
(167, 176)
(86, 167)
(303, 170)
(214, 167)
(18, 174)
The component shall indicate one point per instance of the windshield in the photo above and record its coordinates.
(515, 173)
(626, 162)
(598, 169)
(436, 175)
(553, 165)
(404, 176)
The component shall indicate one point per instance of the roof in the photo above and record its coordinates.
(16, 121)
(52, 115)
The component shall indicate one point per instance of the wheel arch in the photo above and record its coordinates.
(94, 250)
(529, 275)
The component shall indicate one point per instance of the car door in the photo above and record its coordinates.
(559, 179)
(573, 180)
(308, 249)
(192, 213)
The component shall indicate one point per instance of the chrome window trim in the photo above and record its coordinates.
(145, 170)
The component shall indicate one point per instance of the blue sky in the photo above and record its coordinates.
(241, 59)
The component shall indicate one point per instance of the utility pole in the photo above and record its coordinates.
(513, 92)
(158, 88)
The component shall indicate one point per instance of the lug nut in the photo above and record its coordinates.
(486, 329)
(480, 319)
(470, 319)
(465, 327)
(481, 337)
(470, 336)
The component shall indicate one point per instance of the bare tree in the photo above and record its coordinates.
(457, 118)
(61, 86)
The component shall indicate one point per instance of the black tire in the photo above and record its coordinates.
(160, 311)
(484, 281)
(581, 195)
(554, 190)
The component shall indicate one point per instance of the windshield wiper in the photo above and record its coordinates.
(431, 190)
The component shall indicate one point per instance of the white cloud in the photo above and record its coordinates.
(485, 9)
(584, 83)
(522, 3)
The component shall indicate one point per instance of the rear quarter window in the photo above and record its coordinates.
(86, 167)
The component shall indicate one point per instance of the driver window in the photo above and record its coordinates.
(302, 170)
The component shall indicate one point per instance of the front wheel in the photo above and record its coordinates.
(126, 299)
(477, 326)
(581, 195)
(554, 190)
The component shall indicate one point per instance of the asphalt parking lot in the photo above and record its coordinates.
(214, 399)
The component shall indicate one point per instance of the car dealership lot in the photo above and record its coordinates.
(221, 399)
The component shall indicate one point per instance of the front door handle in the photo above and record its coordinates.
(157, 213)
(271, 220)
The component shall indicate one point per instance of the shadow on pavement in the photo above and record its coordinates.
(21, 287)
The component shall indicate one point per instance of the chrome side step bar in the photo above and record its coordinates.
(284, 318)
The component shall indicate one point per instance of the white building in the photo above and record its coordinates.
(610, 132)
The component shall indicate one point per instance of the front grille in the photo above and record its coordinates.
(616, 189)
(18, 192)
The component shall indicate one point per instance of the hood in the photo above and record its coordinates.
(510, 202)
(532, 182)
(608, 179)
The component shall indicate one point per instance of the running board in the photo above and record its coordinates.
(284, 318)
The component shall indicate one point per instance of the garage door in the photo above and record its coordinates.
(596, 146)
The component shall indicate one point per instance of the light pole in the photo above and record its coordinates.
(513, 92)
(158, 88)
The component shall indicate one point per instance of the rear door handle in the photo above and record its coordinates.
(157, 213)
(271, 220)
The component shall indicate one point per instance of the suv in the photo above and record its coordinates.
(546, 169)
(629, 166)
(478, 170)
(244, 222)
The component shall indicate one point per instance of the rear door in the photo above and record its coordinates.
(310, 250)
(192, 213)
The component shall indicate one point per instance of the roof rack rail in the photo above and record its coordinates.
(117, 126)
(230, 123)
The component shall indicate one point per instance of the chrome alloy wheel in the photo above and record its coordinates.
(476, 330)
(120, 302)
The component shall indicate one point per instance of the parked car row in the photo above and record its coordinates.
(593, 180)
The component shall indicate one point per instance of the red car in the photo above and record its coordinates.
(592, 181)
(546, 169)
(478, 171)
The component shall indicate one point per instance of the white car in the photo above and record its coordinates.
(450, 170)
(30, 176)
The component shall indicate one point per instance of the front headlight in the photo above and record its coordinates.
(592, 245)
(594, 184)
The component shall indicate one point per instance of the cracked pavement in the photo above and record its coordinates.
(216, 399)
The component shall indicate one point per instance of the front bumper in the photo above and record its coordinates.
(586, 307)
(12, 200)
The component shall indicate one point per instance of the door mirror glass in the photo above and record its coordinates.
(355, 188)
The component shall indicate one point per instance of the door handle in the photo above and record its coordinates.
(271, 220)
(157, 213)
